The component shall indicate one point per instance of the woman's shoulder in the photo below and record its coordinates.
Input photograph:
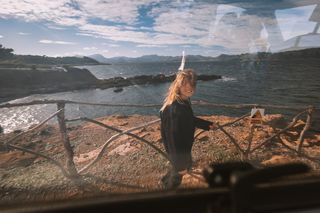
(174, 107)
(179, 107)
(177, 104)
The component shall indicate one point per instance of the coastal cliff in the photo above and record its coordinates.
(15, 82)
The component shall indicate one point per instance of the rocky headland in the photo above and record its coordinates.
(19, 82)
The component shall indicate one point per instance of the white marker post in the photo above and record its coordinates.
(183, 61)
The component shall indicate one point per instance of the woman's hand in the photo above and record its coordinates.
(183, 172)
(213, 126)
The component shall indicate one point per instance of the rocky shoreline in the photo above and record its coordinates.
(17, 83)
(145, 79)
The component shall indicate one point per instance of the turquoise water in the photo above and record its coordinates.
(292, 85)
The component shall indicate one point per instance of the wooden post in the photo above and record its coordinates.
(66, 143)
(232, 139)
(305, 129)
(250, 137)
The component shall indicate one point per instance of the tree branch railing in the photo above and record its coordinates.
(120, 132)
(72, 172)
(305, 129)
(64, 172)
(12, 146)
(267, 140)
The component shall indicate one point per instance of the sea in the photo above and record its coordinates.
(248, 83)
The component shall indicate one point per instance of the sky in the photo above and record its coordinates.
(134, 28)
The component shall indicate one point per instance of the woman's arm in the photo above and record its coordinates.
(202, 124)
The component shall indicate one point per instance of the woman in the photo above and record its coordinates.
(178, 126)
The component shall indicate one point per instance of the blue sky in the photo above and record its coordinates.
(142, 27)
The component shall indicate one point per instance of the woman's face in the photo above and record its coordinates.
(187, 90)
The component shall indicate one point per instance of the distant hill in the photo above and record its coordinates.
(311, 52)
(34, 59)
(9, 59)
(99, 58)
(149, 59)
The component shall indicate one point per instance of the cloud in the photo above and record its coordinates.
(58, 11)
(72, 13)
(1, 36)
(56, 42)
(89, 34)
(90, 48)
(113, 10)
(204, 24)
(150, 45)
(113, 45)
(170, 22)
(75, 53)
(22, 33)
(110, 45)
(191, 22)
(114, 33)
(174, 23)
(146, 28)
(55, 27)
(200, 24)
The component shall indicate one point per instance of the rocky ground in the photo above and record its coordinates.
(127, 164)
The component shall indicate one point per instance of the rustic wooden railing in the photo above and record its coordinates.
(72, 172)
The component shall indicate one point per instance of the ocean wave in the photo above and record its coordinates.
(226, 78)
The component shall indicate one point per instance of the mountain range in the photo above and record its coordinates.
(313, 52)
(148, 58)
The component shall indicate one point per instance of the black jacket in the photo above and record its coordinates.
(177, 130)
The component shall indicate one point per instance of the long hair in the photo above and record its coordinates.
(182, 77)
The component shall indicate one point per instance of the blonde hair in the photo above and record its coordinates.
(182, 77)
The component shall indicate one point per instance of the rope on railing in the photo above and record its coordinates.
(37, 102)
(237, 106)
(197, 103)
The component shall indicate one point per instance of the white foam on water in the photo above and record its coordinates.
(21, 118)
(226, 78)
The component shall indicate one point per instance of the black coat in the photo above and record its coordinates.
(177, 131)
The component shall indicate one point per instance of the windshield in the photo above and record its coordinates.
(92, 97)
